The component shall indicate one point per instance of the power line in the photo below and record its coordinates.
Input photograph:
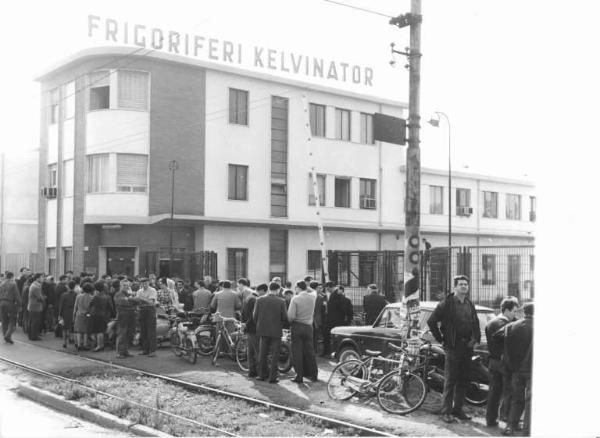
(359, 9)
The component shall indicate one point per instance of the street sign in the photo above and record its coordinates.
(389, 129)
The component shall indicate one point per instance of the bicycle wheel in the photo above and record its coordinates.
(176, 344)
(345, 379)
(241, 353)
(476, 393)
(217, 350)
(192, 355)
(401, 392)
(285, 359)
(205, 344)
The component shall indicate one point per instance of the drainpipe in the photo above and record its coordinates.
(379, 188)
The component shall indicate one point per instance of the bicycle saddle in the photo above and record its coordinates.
(372, 353)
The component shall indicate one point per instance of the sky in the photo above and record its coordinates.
(517, 79)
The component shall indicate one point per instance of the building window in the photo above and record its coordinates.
(53, 175)
(278, 200)
(532, 208)
(68, 182)
(237, 263)
(342, 192)
(51, 254)
(367, 268)
(436, 200)
(463, 202)
(317, 120)
(97, 173)
(69, 100)
(99, 85)
(368, 190)
(132, 173)
(238, 106)
(68, 259)
(314, 264)
(490, 204)
(321, 187)
(238, 182)
(132, 89)
(488, 267)
(278, 254)
(342, 124)
(54, 106)
(366, 128)
(513, 206)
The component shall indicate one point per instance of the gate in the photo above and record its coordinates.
(186, 265)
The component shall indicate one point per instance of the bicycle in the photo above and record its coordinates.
(398, 390)
(284, 364)
(182, 335)
(235, 341)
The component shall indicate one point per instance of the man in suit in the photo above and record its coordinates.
(499, 391)
(252, 339)
(35, 307)
(269, 315)
(373, 303)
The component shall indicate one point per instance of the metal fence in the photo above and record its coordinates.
(188, 266)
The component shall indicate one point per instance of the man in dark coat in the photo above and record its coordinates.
(499, 390)
(269, 315)
(459, 334)
(373, 304)
(251, 338)
(518, 358)
(10, 301)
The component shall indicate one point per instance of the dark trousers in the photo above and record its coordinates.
(499, 392)
(520, 400)
(252, 341)
(268, 345)
(457, 369)
(8, 317)
(303, 354)
(35, 324)
(148, 329)
(125, 326)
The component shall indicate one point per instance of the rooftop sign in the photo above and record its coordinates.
(213, 49)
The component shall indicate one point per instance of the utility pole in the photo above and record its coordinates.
(173, 166)
(413, 174)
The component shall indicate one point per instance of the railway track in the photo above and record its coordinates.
(195, 387)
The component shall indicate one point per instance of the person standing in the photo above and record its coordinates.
(499, 388)
(100, 311)
(518, 358)
(226, 301)
(49, 292)
(347, 306)
(336, 316)
(10, 301)
(35, 307)
(300, 316)
(251, 338)
(243, 287)
(163, 294)
(202, 298)
(61, 288)
(459, 335)
(66, 305)
(373, 304)
(269, 316)
(319, 316)
(125, 305)
(184, 295)
(147, 297)
(81, 316)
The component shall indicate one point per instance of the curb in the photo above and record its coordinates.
(86, 413)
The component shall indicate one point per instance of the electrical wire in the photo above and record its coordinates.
(359, 9)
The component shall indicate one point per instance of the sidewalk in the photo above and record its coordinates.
(47, 355)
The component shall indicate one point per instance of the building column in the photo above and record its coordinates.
(79, 163)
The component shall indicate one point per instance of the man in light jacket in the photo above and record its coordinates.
(35, 307)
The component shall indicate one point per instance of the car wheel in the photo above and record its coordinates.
(347, 353)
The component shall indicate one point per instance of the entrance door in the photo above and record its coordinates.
(120, 261)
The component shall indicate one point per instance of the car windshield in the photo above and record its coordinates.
(392, 317)
(484, 318)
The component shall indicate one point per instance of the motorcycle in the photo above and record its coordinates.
(182, 335)
(164, 321)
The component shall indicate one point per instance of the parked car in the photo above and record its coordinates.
(391, 325)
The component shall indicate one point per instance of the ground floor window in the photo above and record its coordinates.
(237, 263)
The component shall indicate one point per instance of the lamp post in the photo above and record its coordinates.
(173, 166)
(436, 122)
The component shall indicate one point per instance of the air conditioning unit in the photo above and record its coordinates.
(532, 216)
(464, 211)
(368, 203)
(49, 192)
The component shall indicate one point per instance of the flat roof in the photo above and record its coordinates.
(468, 175)
(131, 51)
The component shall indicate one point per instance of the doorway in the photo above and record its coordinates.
(120, 260)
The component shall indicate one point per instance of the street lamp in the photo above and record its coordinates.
(173, 166)
(436, 123)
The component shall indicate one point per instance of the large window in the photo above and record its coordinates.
(68, 259)
(488, 268)
(342, 124)
(99, 86)
(238, 182)
(366, 128)
(532, 208)
(237, 263)
(321, 187)
(490, 204)
(463, 202)
(52, 175)
(54, 106)
(97, 173)
(513, 206)
(68, 182)
(314, 264)
(238, 106)
(132, 173)
(278, 244)
(368, 190)
(133, 89)
(317, 120)
(342, 192)
(436, 200)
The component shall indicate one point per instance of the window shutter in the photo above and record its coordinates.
(99, 79)
(132, 171)
(133, 89)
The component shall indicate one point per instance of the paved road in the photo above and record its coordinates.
(309, 396)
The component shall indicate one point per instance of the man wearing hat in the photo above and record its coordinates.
(373, 304)
(147, 296)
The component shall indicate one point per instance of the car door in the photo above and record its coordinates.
(390, 326)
